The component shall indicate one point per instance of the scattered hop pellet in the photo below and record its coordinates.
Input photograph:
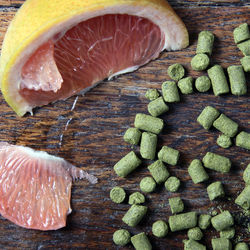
(222, 221)
(245, 62)
(246, 175)
(148, 145)
(176, 205)
(149, 123)
(227, 233)
(136, 198)
(218, 79)
(117, 194)
(241, 33)
(134, 215)
(170, 92)
(172, 184)
(243, 140)
(186, 85)
(216, 162)
(221, 244)
(141, 242)
(182, 221)
(195, 233)
(127, 164)
(215, 190)
(205, 43)
(243, 199)
(159, 171)
(132, 136)
(200, 62)
(204, 221)
(241, 246)
(207, 117)
(121, 237)
(224, 141)
(152, 94)
(202, 83)
(237, 80)
(244, 47)
(197, 172)
(226, 125)
(160, 229)
(193, 245)
(169, 155)
(147, 185)
(176, 71)
(157, 107)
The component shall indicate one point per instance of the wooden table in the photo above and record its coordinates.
(93, 139)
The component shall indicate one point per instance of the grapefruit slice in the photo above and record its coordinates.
(35, 187)
(55, 49)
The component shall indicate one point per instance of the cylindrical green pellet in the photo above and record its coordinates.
(172, 184)
(134, 215)
(245, 47)
(170, 92)
(132, 136)
(243, 140)
(246, 175)
(226, 125)
(204, 221)
(127, 164)
(176, 205)
(215, 190)
(193, 245)
(186, 85)
(207, 117)
(216, 162)
(169, 155)
(152, 94)
(176, 71)
(228, 233)
(117, 194)
(224, 141)
(241, 33)
(241, 246)
(182, 221)
(197, 172)
(222, 221)
(237, 80)
(157, 107)
(221, 244)
(141, 242)
(200, 62)
(205, 42)
(195, 233)
(148, 145)
(136, 198)
(245, 62)
(147, 185)
(203, 83)
(149, 123)
(159, 171)
(243, 199)
(121, 237)
(160, 229)
(218, 79)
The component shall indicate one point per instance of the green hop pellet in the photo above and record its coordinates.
(157, 107)
(148, 145)
(186, 85)
(172, 184)
(149, 123)
(246, 175)
(241, 246)
(147, 185)
(193, 245)
(222, 221)
(169, 155)
(224, 141)
(141, 242)
(204, 221)
(132, 136)
(218, 80)
(121, 237)
(159, 171)
(176, 205)
(134, 215)
(136, 198)
(243, 140)
(205, 43)
(182, 221)
(237, 80)
(215, 190)
(197, 172)
(200, 62)
(160, 229)
(176, 71)
(195, 233)
(241, 33)
(202, 83)
(226, 125)
(207, 117)
(244, 47)
(245, 62)
(117, 194)
(221, 244)
(127, 164)
(216, 162)
(152, 94)
(228, 233)
(170, 92)
(243, 199)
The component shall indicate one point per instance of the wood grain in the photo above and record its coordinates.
(93, 140)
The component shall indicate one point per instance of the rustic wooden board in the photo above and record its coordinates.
(93, 140)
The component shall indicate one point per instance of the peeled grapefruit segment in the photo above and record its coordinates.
(55, 49)
(35, 187)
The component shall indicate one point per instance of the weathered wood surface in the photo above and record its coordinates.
(93, 140)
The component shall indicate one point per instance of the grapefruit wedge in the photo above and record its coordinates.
(35, 187)
(55, 49)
